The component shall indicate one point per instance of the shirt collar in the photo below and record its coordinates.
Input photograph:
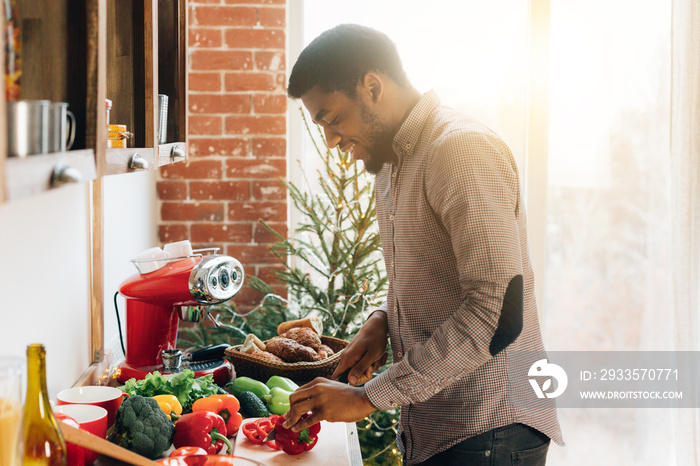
(407, 136)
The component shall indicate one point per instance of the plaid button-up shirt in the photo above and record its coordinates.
(453, 230)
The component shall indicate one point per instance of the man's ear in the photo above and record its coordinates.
(373, 85)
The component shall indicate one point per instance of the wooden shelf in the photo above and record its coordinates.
(120, 160)
(168, 153)
(172, 55)
(32, 175)
(130, 68)
(84, 52)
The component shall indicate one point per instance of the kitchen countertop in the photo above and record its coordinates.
(338, 444)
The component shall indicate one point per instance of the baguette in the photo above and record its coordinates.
(252, 344)
(249, 348)
(257, 341)
(315, 323)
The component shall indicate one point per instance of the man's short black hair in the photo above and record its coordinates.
(340, 57)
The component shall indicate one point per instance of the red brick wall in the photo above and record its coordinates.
(237, 136)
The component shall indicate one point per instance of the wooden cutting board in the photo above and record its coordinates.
(337, 445)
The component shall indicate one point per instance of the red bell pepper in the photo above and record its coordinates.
(188, 451)
(203, 429)
(265, 426)
(250, 430)
(257, 430)
(294, 443)
(197, 460)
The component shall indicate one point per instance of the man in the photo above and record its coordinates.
(460, 305)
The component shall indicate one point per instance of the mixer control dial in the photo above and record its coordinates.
(216, 279)
(223, 278)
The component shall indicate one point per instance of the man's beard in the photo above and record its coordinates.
(380, 151)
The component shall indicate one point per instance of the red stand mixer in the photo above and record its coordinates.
(175, 284)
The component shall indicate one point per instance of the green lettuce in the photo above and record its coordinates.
(183, 385)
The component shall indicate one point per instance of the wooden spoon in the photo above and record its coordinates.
(93, 442)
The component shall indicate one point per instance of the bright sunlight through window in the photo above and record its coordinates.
(607, 277)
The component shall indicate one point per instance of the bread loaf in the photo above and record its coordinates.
(267, 356)
(304, 336)
(290, 350)
(325, 351)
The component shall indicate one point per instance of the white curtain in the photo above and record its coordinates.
(685, 153)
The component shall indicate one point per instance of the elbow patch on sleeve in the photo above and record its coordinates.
(510, 323)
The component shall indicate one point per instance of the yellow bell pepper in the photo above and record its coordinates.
(170, 405)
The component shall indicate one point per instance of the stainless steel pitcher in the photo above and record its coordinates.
(28, 127)
(61, 127)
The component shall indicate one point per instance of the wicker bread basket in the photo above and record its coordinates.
(300, 372)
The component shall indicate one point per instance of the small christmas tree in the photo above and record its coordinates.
(332, 263)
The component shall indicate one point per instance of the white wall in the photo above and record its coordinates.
(130, 219)
(44, 268)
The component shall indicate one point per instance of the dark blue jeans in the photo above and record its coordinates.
(515, 444)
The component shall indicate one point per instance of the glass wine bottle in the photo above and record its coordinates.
(42, 441)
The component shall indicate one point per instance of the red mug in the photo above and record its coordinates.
(109, 398)
(76, 454)
(90, 418)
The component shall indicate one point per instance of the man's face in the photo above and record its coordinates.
(351, 124)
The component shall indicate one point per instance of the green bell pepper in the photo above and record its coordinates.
(246, 384)
(281, 382)
(278, 401)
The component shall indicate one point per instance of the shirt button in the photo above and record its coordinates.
(396, 308)
(487, 453)
(393, 175)
(391, 217)
(399, 354)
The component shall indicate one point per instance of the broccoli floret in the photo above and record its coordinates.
(142, 427)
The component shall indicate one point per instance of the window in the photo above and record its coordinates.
(606, 204)
(608, 282)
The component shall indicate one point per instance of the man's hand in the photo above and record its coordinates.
(366, 352)
(327, 400)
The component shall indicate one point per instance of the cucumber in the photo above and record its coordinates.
(251, 405)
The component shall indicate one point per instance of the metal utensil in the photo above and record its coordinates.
(28, 127)
(61, 127)
(172, 358)
(343, 377)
